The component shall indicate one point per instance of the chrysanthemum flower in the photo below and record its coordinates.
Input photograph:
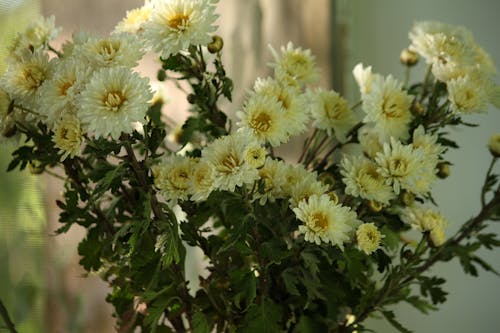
(37, 35)
(255, 156)
(135, 19)
(400, 165)
(425, 219)
(300, 184)
(23, 79)
(388, 107)
(262, 117)
(331, 112)
(173, 178)
(115, 50)
(370, 141)
(272, 174)
(176, 24)
(368, 238)
(112, 100)
(202, 182)
(293, 103)
(68, 136)
(226, 156)
(467, 95)
(58, 95)
(294, 66)
(363, 180)
(325, 221)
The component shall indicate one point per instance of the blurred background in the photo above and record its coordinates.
(41, 282)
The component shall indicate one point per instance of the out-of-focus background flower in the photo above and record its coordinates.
(40, 280)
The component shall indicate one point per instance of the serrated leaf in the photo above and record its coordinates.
(291, 280)
(90, 250)
(200, 323)
(262, 318)
(391, 318)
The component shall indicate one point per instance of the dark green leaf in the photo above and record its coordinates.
(391, 318)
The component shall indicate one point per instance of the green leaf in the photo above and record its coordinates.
(90, 250)
(262, 318)
(291, 280)
(245, 283)
(391, 318)
(200, 323)
(307, 324)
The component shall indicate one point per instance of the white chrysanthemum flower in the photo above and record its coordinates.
(176, 24)
(115, 50)
(331, 112)
(255, 156)
(293, 103)
(467, 95)
(134, 20)
(262, 117)
(68, 136)
(370, 141)
(173, 178)
(23, 79)
(422, 218)
(368, 238)
(58, 95)
(437, 236)
(112, 100)
(400, 165)
(79, 38)
(428, 143)
(272, 174)
(363, 180)
(305, 187)
(437, 41)
(226, 155)
(388, 107)
(37, 35)
(202, 182)
(325, 221)
(363, 77)
(294, 66)
(494, 145)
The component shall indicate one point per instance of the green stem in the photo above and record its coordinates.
(6, 318)
(484, 190)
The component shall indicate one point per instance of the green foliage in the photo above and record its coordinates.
(262, 275)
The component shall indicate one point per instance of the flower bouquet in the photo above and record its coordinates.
(313, 245)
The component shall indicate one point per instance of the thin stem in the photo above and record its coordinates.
(59, 54)
(306, 145)
(488, 173)
(426, 82)
(6, 318)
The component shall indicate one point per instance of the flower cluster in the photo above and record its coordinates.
(290, 245)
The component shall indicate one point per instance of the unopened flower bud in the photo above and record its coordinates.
(375, 206)
(191, 98)
(334, 197)
(35, 168)
(494, 145)
(327, 179)
(161, 75)
(408, 198)
(443, 170)
(408, 57)
(216, 44)
(418, 109)
(9, 130)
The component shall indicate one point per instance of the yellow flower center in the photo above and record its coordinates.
(392, 107)
(114, 100)
(63, 88)
(108, 48)
(261, 122)
(179, 22)
(34, 77)
(319, 221)
(229, 163)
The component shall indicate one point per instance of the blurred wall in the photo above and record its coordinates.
(378, 33)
